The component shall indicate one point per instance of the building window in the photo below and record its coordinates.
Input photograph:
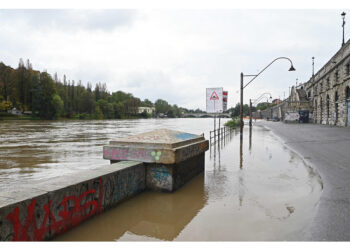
(336, 107)
(328, 85)
(347, 69)
(336, 77)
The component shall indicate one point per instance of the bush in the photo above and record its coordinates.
(232, 123)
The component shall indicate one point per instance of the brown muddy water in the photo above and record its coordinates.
(267, 193)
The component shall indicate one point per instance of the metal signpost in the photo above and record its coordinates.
(214, 103)
(214, 100)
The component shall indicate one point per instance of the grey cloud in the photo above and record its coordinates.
(154, 79)
(73, 20)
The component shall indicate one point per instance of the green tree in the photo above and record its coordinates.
(47, 85)
(236, 110)
(176, 110)
(98, 113)
(161, 106)
(264, 105)
(5, 105)
(106, 109)
(118, 110)
(146, 103)
(170, 113)
(57, 105)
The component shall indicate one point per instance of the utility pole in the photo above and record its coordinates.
(219, 130)
(241, 108)
(250, 113)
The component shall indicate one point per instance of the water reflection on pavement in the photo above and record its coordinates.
(254, 190)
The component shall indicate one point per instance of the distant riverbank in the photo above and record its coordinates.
(4, 116)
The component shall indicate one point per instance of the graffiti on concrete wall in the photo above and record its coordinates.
(127, 183)
(123, 154)
(161, 174)
(115, 153)
(156, 155)
(72, 211)
(291, 116)
(54, 212)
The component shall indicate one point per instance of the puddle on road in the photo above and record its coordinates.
(265, 192)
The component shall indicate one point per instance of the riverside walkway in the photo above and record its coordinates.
(327, 149)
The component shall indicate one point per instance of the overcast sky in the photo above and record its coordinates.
(174, 54)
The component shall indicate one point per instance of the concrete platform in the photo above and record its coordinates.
(158, 146)
(171, 157)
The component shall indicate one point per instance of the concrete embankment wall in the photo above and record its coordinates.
(39, 211)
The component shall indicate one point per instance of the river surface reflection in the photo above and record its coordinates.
(262, 192)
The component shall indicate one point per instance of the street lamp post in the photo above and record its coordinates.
(255, 76)
(255, 101)
(343, 16)
(262, 96)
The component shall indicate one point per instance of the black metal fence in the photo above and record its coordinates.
(219, 134)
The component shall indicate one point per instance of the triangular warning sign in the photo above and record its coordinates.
(214, 96)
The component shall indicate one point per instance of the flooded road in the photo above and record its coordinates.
(265, 193)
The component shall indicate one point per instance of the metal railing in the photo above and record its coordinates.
(219, 134)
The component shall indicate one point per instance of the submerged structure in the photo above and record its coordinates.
(171, 157)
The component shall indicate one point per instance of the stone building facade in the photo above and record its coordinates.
(289, 110)
(329, 90)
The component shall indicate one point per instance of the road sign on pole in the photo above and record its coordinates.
(214, 100)
(214, 96)
(224, 99)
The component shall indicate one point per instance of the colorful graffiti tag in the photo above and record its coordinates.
(68, 217)
(124, 154)
(161, 174)
(156, 155)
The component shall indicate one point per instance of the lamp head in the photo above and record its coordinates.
(291, 68)
(343, 15)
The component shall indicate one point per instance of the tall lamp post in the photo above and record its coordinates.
(343, 16)
(254, 102)
(255, 76)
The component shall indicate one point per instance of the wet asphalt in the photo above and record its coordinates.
(327, 149)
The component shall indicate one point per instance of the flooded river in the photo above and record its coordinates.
(264, 192)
